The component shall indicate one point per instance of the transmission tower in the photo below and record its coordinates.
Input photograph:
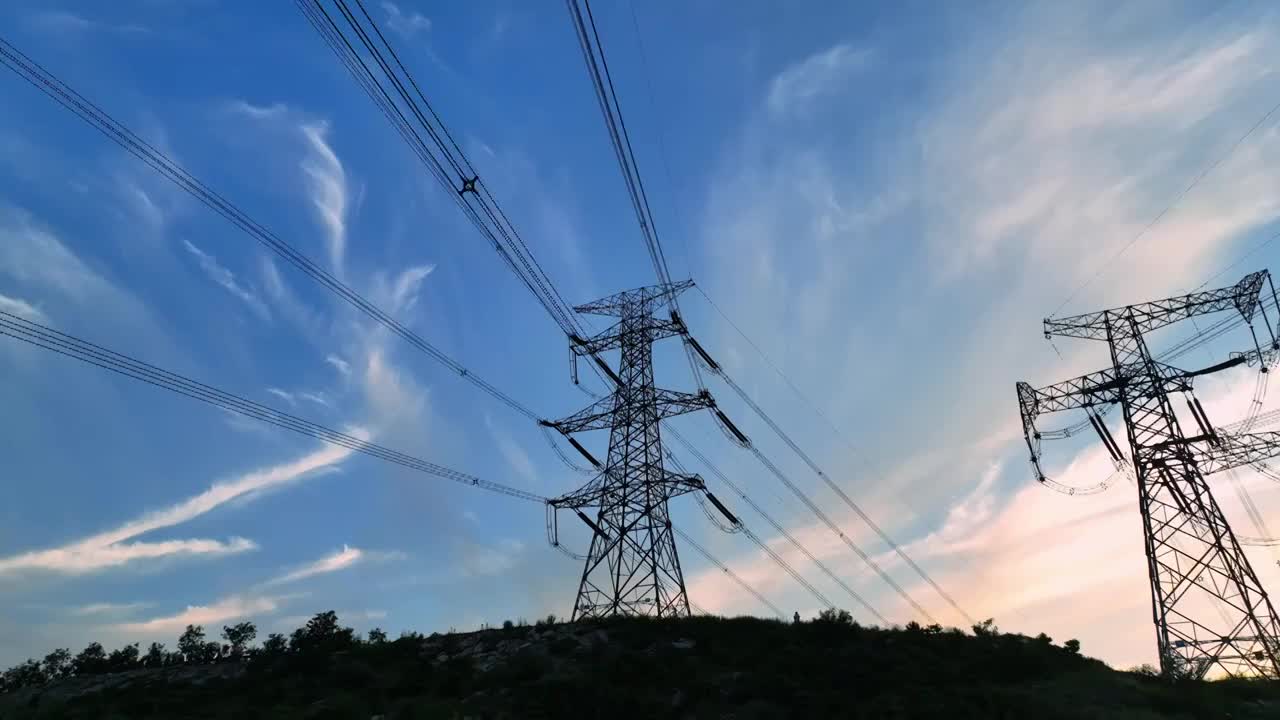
(632, 567)
(1209, 609)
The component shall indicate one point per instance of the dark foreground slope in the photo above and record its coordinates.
(699, 667)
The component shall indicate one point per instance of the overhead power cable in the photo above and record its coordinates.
(100, 120)
(96, 117)
(611, 110)
(848, 541)
(76, 348)
(732, 575)
(398, 96)
(777, 527)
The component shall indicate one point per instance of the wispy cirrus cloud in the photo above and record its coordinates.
(1070, 145)
(118, 547)
(93, 555)
(327, 183)
(234, 607)
(283, 395)
(21, 308)
(65, 22)
(796, 87)
(405, 24)
(340, 560)
(109, 609)
(342, 366)
(227, 279)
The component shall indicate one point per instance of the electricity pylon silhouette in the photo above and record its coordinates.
(632, 567)
(1193, 559)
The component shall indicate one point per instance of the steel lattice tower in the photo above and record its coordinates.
(1194, 561)
(632, 567)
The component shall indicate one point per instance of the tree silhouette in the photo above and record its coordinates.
(377, 636)
(1072, 646)
(57, 664)
(126, 658)
(240, 636)
(91, 661)
(834, 615)
(321, 633)
(193, 647)
(26, 674)
(274, 646)
(155, 656)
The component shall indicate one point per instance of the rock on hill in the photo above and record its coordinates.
(697, 668)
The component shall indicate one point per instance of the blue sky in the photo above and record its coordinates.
(888, 200)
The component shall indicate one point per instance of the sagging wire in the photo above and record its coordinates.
(564, 457)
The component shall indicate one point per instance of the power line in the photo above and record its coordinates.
(460, 180)
(662, 143)
(1159, 216)
(611, 110)
(72, 100)
(607, 98)
(672, 432)
(897, 549)
(121, 135)
(76, 348)
(732, 575)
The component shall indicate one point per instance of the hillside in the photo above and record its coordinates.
(696, 667)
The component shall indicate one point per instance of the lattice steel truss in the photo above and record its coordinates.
(632, 567)
(1193, 559)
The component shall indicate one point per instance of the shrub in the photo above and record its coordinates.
(57, 664)
(191, 644)
(126, 658)
(322, 633)
(240, 636)
(835, 616)
(91, 661)
(1072, 646)
(986, 628)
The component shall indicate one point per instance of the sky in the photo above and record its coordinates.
(886, 199)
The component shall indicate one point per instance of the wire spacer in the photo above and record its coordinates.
(469, 185)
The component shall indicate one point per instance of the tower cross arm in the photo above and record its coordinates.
(650, 329)
(1233, 451)
(619, 304)
(1095, 388)
(1243, 296)
(599, 415)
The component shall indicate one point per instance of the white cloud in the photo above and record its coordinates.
(112, 548)
(338, 363)
(227, 280)
(405, 24)
(327, 183)
(340, 560)
(234, 607)
(793, 89)
(85, 557)
(259, 112)
(283, 395)
(35, 256)
(977, 210)
(21, 308)
(317, 398)
(404, 294)
(95, 609)
(65, 22)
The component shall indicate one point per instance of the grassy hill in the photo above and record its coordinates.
(696, 667)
